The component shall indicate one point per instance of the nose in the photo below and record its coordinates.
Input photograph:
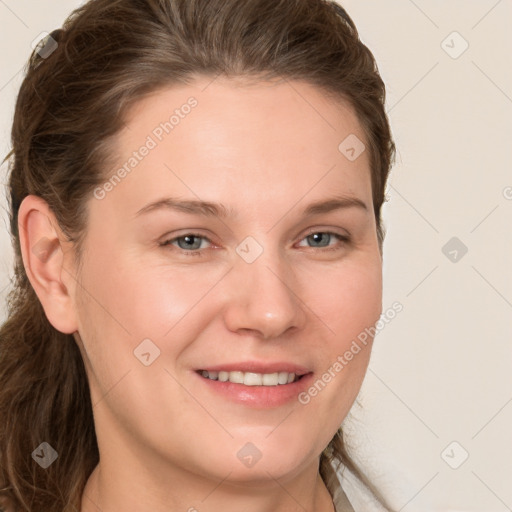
(264, 298)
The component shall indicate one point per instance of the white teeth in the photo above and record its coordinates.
(250, 378)
(270, 379)
(253, 379)
(282, 378)
(236, 377)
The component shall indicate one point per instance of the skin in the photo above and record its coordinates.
(167, 442)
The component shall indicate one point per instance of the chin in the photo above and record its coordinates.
(278, 466)
(256, 460)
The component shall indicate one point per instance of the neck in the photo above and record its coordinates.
(118, 483)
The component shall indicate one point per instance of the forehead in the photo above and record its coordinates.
(238, 141)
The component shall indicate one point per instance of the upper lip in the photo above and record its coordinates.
(258, 367)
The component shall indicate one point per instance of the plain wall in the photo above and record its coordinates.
(439, 384)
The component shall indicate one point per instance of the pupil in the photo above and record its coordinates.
(318, 236)
(189, 241)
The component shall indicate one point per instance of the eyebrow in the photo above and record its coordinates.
(210, 209)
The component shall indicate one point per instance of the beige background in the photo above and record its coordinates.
(441, 371)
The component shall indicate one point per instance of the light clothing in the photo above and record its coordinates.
(349, 494)
(339, 498)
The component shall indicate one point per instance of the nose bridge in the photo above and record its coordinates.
(264, 298)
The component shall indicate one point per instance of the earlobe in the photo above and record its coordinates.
(43, 251)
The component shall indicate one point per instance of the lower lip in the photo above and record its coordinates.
(264, 397)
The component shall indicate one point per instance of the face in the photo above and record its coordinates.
(220, 331)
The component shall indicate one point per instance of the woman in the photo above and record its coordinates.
(196, 189)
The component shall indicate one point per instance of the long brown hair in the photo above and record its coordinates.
(77, 89)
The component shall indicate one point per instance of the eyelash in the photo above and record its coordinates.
(344, 239)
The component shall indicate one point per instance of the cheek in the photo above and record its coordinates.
(161, 301)
(351, 303)
(127, 301)
(139, 300)
(348, 299)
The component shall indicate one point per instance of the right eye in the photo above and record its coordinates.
(190, 243)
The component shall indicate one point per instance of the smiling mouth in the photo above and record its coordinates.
(250, 378)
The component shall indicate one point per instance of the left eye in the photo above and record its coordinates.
(323, 238)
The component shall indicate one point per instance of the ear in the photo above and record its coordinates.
(43, 248)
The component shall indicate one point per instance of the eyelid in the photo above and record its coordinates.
(329, 230)
(343, 239)
(167, 241)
